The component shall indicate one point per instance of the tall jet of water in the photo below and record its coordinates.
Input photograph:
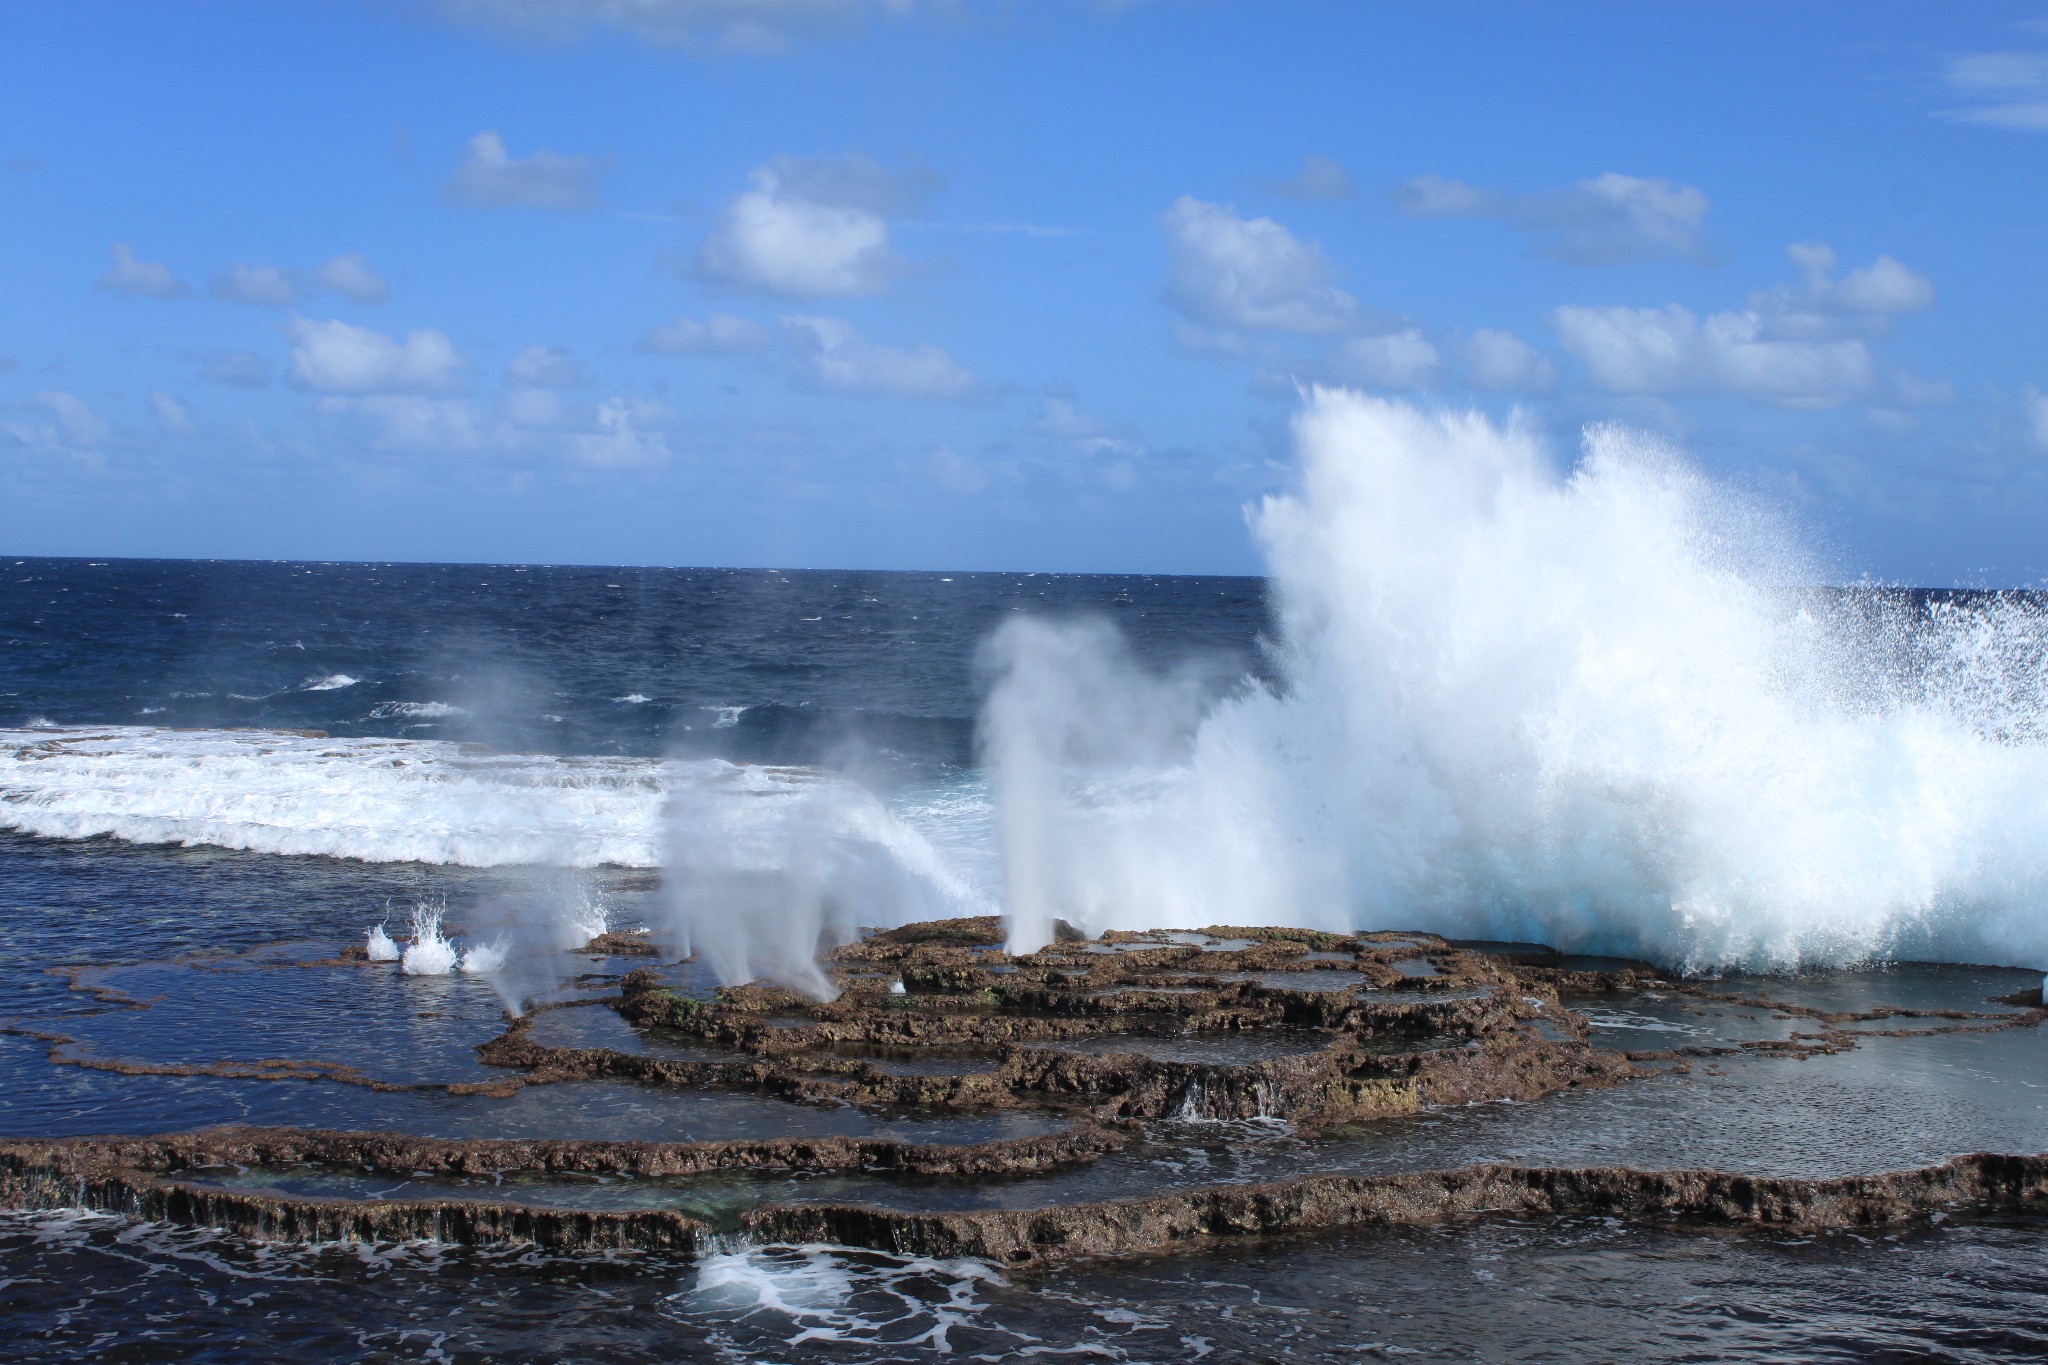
(755, 887)
(1605, 709)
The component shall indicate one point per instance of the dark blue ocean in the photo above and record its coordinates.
(750, 664)
(211, 769)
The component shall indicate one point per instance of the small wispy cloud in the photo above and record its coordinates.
(1610, 219)
(831, 357)
(2004, 89)
(138, 278)
(715, 26)
(1319, 178)
(490, 177)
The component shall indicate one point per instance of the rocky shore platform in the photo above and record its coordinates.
(1124, 1095)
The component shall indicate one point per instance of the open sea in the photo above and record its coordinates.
(215, 778)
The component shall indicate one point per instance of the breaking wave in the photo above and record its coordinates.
(429, 801)
(1592, 709)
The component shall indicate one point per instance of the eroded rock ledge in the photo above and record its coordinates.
(1980, 1182)
(1403, 1021)
(1109, 1037)
(406, 1154)
(91, 1175)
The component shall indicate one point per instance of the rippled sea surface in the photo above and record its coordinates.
(167, 930)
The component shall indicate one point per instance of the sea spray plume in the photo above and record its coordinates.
(762, 873)
(485, 959)
(430, 953)
(1586, 708)
(1068, 707)
(586, 915)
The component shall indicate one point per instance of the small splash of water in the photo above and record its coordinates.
(485, 959)
(834, 1295)
(430, 953)
(380, 946)
(587, 916)
(333, 682)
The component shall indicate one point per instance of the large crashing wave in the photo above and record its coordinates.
(1584, 709)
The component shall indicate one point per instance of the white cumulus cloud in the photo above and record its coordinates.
(622, 436)
(1671, 351)
(1803, 344)
(335, 357)
(1824, 304)
(1607, 220)
(830, 356)
(489, 177)
(1250, 274)
(811, 229)
(141, 279)
(718, 334)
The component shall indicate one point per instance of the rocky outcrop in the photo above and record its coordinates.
(1187, 1219)
(96, 1176)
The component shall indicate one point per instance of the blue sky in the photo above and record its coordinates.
(932, 284)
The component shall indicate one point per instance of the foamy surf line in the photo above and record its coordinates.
(375, 800)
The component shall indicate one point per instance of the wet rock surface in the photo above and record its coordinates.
(1139, 1050)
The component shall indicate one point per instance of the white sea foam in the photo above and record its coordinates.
(1585, 709)
(829, 1294)
(814, 853)
(333, 682)
(418, 710)
(380, 800)
(632, 699)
